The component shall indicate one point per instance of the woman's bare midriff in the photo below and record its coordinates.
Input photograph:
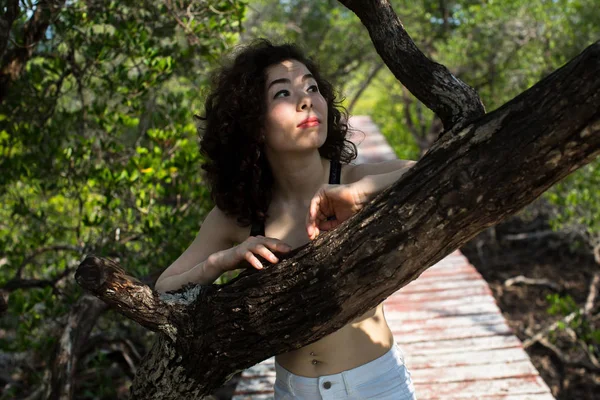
(361, 341)
(365, 339)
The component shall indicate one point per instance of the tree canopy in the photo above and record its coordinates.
(99, 148)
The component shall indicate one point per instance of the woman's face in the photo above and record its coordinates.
(296, 119)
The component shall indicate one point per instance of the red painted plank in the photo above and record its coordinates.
(447, 270)
(479, 290)
(480, 358)
(478, 389)
(460, 345)
(398, 324)
(452, 333)
(467, 309)
(474, 372)
(457, 277)
(253, 397)
(398, 304)
(419, 287)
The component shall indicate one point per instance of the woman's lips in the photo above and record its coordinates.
(309, 122)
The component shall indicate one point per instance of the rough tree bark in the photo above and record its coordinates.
(475, 175)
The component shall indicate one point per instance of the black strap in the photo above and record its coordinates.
(257, 229)
(335, 172)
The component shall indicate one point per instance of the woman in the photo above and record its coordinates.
(277, 165)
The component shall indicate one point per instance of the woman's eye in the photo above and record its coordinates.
(313, 88)
(281, 93)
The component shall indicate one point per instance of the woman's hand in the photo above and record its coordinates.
(254, 245)
(332, 205)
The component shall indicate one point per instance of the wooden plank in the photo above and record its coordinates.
(480, 358)
(252, 397)
(415, 287)
(461, 332)
(263, 369)
(480, 290)
(474, 372)
(398, 304)
(477, 389)
(418, 315)
(397, 323)
(447, 271)
(528, 396)
(460, 345)
(256, 385)
(457, 277)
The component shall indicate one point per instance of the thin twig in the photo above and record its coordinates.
(533, 282)
(593, 292)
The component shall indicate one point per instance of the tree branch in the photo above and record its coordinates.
(534, 282)
(455, 102)
(108, 281)
(18, 283)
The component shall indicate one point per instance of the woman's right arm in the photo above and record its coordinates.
(211, 254)
(193, 265)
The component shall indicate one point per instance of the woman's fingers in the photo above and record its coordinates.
(278, 245)
(265, 253)
(316, 214)
(259, 247)
(251, 258)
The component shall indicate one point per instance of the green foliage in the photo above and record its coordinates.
(564, 306)
(99, 150)
(390, 115)
(99, 154)
(501, 48)
(561, 305)
(578, 200)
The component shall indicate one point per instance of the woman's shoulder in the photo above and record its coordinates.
(355, 172)
(229, 225)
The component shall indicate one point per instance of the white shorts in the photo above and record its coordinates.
(385, 378)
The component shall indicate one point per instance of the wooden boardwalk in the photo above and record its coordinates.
(456, 342)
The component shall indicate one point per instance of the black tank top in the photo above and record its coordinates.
(335, 170)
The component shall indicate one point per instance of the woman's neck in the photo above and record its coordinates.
(297, 178)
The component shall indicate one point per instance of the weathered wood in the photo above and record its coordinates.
(108, 281)
(467, 182)
(448, 97)
(477, 389)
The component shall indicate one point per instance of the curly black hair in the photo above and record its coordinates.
(236, 169)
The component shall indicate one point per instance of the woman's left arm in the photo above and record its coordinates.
(372, 183)
(333, 204)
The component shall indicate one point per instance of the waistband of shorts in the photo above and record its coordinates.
(361, 374)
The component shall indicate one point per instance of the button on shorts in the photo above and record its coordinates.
(385, 378)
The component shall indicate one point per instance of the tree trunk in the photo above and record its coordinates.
(82, 318)
(468, 181)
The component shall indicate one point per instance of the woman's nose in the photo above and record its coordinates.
(304, 103)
